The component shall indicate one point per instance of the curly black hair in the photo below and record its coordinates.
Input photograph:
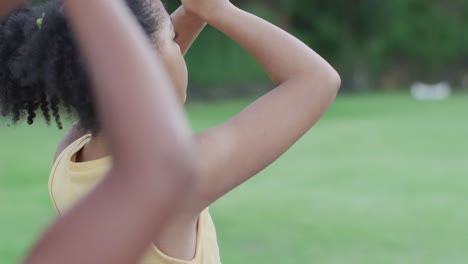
(41, 69)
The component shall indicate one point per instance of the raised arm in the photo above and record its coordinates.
(150, 176)
(237, 150)
(187, 26)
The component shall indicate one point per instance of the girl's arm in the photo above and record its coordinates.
(187, 26)
(151, 175)
(237, 150)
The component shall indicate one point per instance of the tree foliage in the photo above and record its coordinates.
(364, 39)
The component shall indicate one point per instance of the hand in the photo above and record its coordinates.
(204, 8)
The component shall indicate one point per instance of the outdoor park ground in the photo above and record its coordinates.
(382, 178)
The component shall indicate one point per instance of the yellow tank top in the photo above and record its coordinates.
(70, 181)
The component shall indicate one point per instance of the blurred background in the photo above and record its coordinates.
(382, 178)
(375, 45)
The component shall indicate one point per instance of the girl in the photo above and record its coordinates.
(227, 155)
(147, 190)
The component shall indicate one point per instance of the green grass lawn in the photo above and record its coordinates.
(381, 179)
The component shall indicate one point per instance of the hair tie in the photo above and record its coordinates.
(39, 21)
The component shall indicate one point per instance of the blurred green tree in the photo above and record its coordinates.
(372, 43)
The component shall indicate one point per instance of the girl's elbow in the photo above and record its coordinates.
(332, 79)
(325, 75)
(327, 80)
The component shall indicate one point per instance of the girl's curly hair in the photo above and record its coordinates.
(41, 69)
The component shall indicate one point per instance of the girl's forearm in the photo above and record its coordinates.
(188, 26)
